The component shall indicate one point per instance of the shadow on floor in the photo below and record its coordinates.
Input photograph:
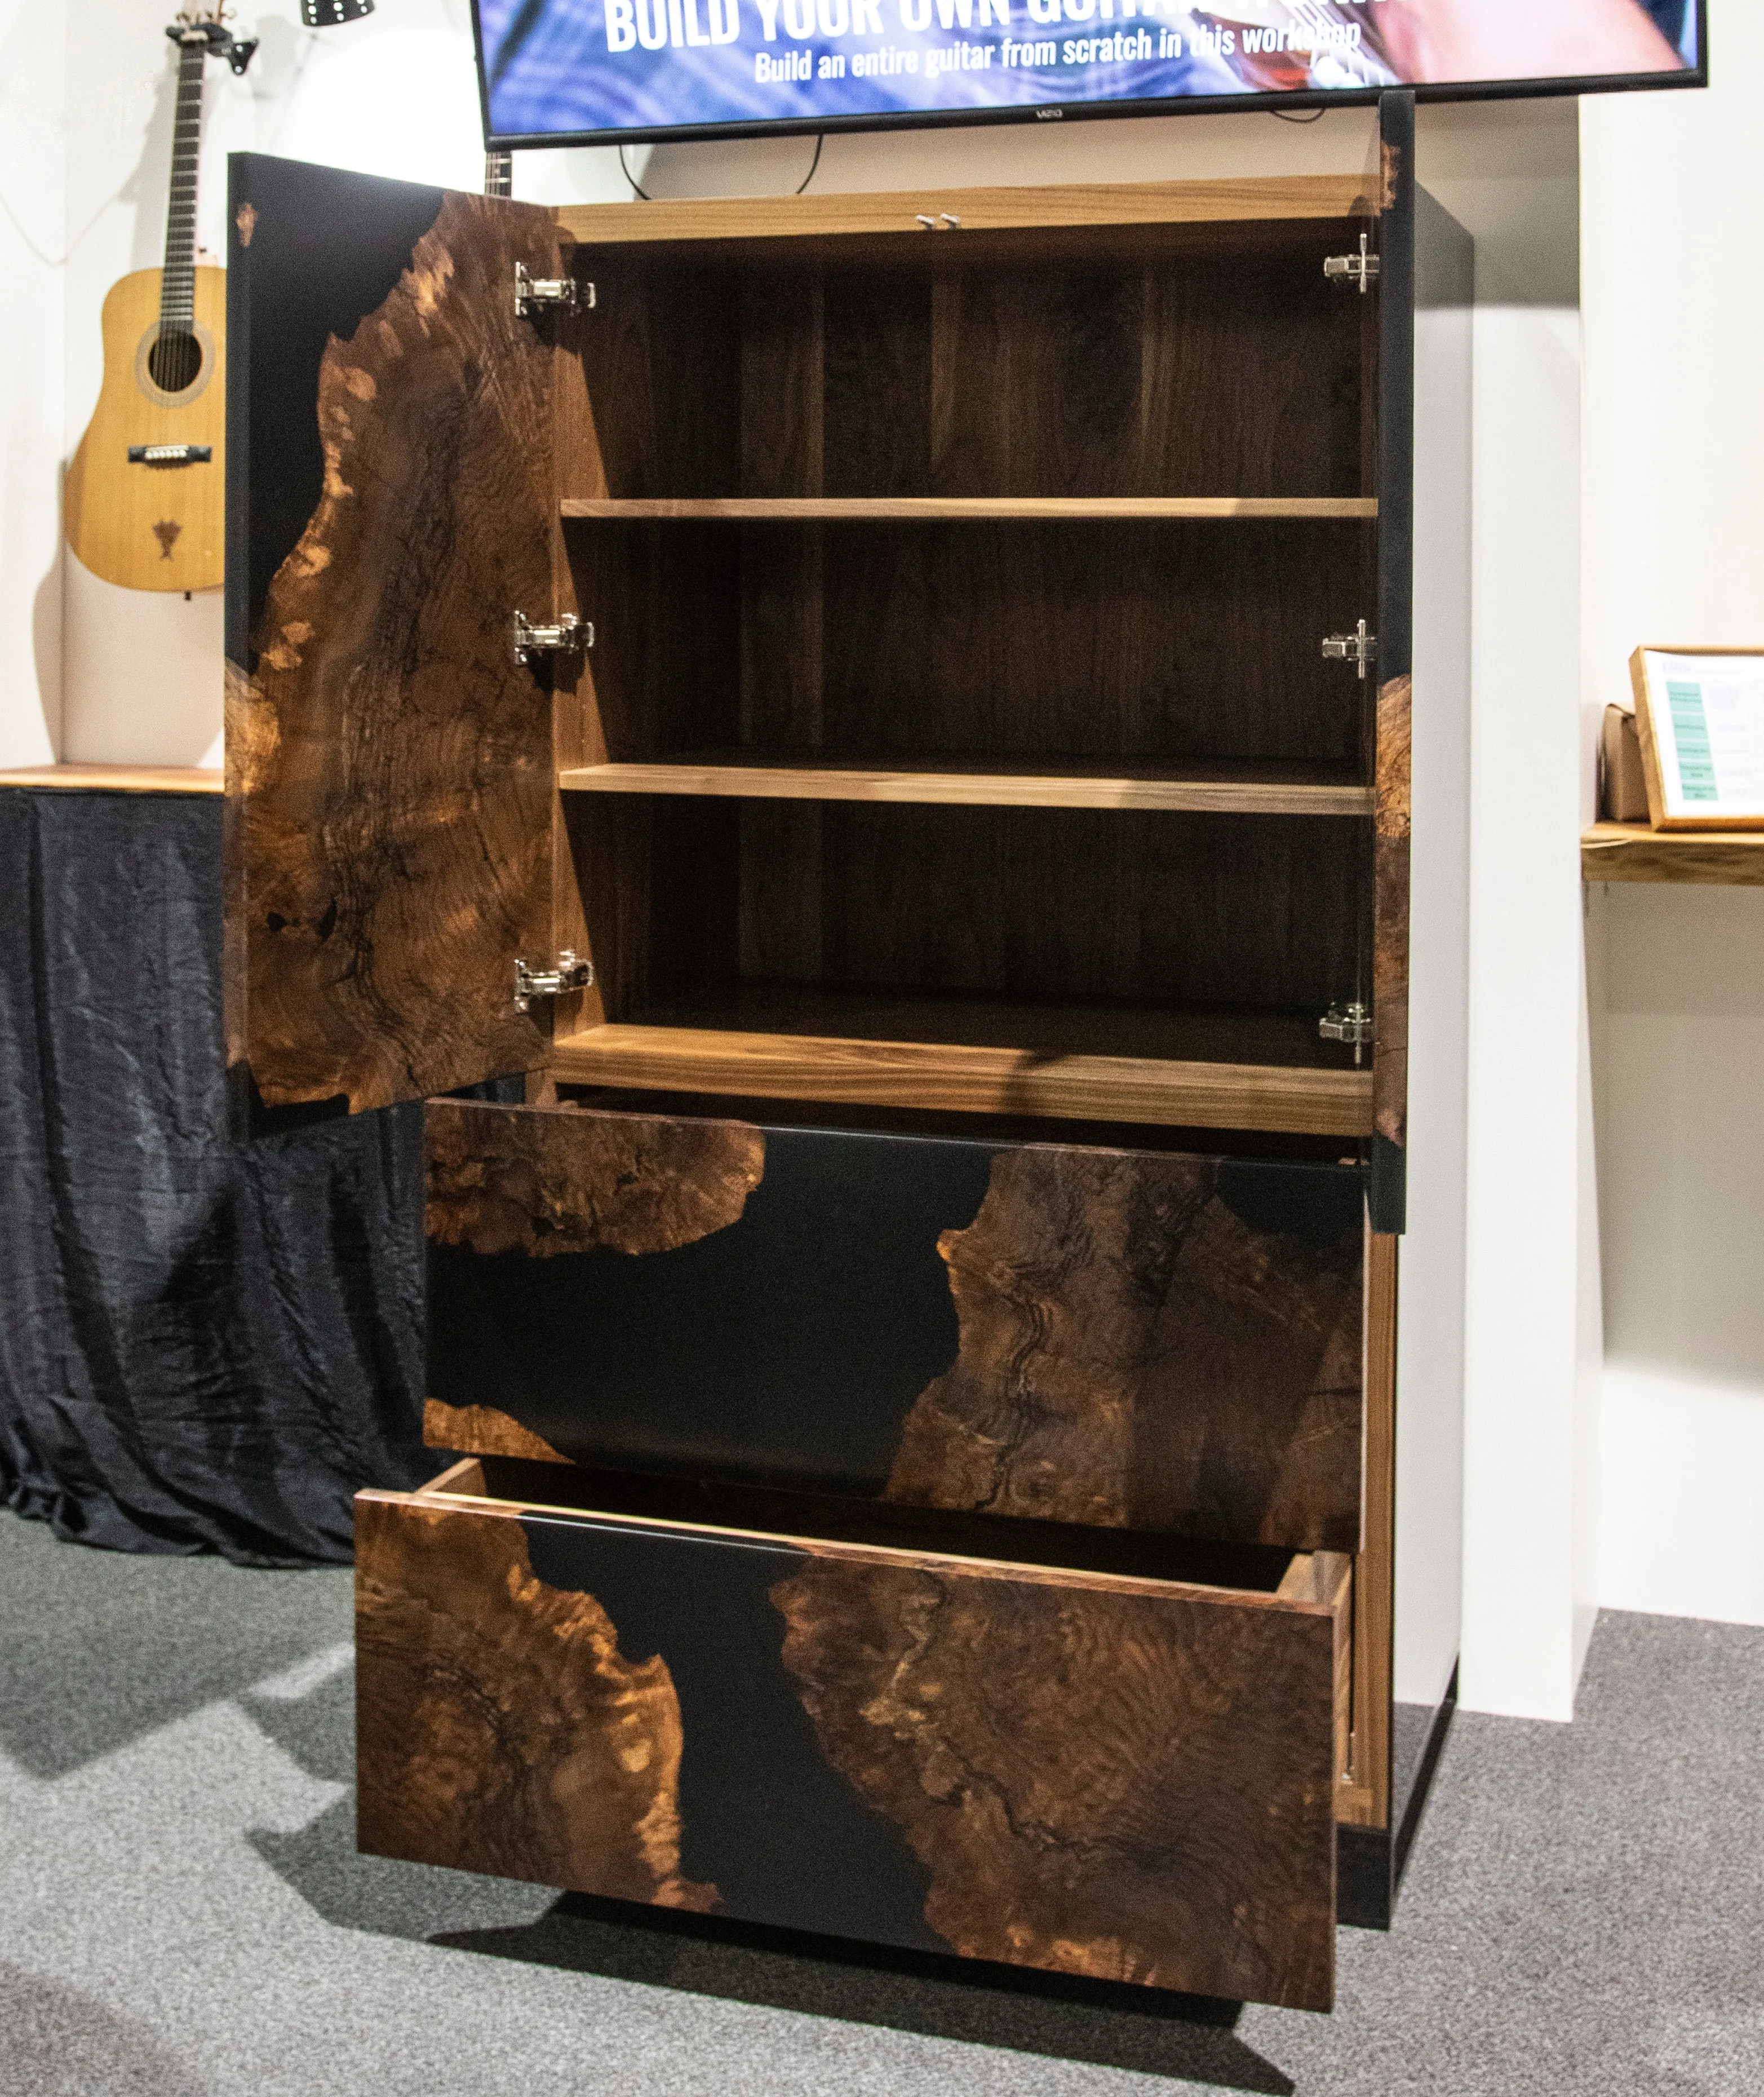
(1065, 2019)
(61, 2043)
(1109, 2025)
(99, 1648)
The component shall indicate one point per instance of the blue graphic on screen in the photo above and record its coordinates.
(571, 67)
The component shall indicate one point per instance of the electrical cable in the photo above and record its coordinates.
(56, 262)
(821, 140)
(1292, 117)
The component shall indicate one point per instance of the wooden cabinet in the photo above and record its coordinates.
(953, 1236)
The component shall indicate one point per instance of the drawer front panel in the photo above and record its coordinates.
(1092, 1774)
(1127, 1339)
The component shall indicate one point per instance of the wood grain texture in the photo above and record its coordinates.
(1071, 204)
(500, 1729)
(576, 737)
(119, 778)
(975, 786)
(1155, 643)
(483, 1429)
(389, 767)
(1631, 852)
(1129, 1787)
(978, 509)
(1390, 914)
(1159, 644)
(143, 526)
(1135, 1353)
(1363, 1799)
(1160, 1344)
(936, 1076)
(1103, 930)
(545, 1182)
(1114, 1776)
(1163, 372)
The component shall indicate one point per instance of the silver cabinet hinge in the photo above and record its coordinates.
(569, 637)
(1350, 1024)
(1361, 269)
(570, 972)
(556, 294)
(1360, 648)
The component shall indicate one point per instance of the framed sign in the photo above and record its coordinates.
(1700, 715)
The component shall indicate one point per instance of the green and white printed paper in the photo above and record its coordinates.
(1708, 714)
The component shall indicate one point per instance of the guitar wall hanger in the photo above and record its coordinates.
(221, 43)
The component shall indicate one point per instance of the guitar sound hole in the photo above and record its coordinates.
(174, 361)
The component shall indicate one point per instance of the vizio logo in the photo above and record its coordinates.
(1045, 113)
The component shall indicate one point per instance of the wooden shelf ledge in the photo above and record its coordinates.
(1709, 859)
(1097, 204)
(978, 786)
(994, 1081)
(120, 778)
(976, 509)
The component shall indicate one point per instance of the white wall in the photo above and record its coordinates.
(1675, 535)
(1511, 173)
(33, 238)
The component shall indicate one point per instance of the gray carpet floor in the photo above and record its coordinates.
(182, 1913)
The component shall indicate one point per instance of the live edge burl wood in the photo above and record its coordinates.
(920, 1329)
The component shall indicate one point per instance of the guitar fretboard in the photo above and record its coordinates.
(177, 286)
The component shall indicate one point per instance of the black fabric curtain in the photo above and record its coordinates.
(204, 1345)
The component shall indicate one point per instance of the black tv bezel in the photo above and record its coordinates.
(1042, 112)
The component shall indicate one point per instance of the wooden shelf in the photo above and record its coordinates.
(976, 509)
(120, 778)
(1091, 204)
(1631, 852)
(1173, 1070)
(1223, 789)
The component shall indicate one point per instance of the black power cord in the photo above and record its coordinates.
(821, 140)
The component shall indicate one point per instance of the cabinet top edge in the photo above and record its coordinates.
(1248, 198)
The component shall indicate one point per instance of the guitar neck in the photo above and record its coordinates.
(178, 285)
(499, 174)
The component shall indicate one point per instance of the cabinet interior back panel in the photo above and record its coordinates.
(1033, 642)
(1164, 360)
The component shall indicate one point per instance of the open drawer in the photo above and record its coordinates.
(1135, 1338)
(1119, 1767)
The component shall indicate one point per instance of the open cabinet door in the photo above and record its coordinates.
(390, 505)
(1395, 667)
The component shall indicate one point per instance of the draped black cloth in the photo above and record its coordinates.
(204, 1345)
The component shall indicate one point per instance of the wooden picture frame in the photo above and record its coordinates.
(1674, 804)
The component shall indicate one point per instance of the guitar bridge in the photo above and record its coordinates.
(170, 454)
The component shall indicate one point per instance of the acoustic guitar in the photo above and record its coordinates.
(144, 502)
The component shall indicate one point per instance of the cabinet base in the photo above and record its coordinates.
(1369, 1862)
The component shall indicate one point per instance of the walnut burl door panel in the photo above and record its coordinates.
(1129, 1339)
(388, 764)
(1123, 1778)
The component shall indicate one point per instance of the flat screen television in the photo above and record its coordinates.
(557, 72)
